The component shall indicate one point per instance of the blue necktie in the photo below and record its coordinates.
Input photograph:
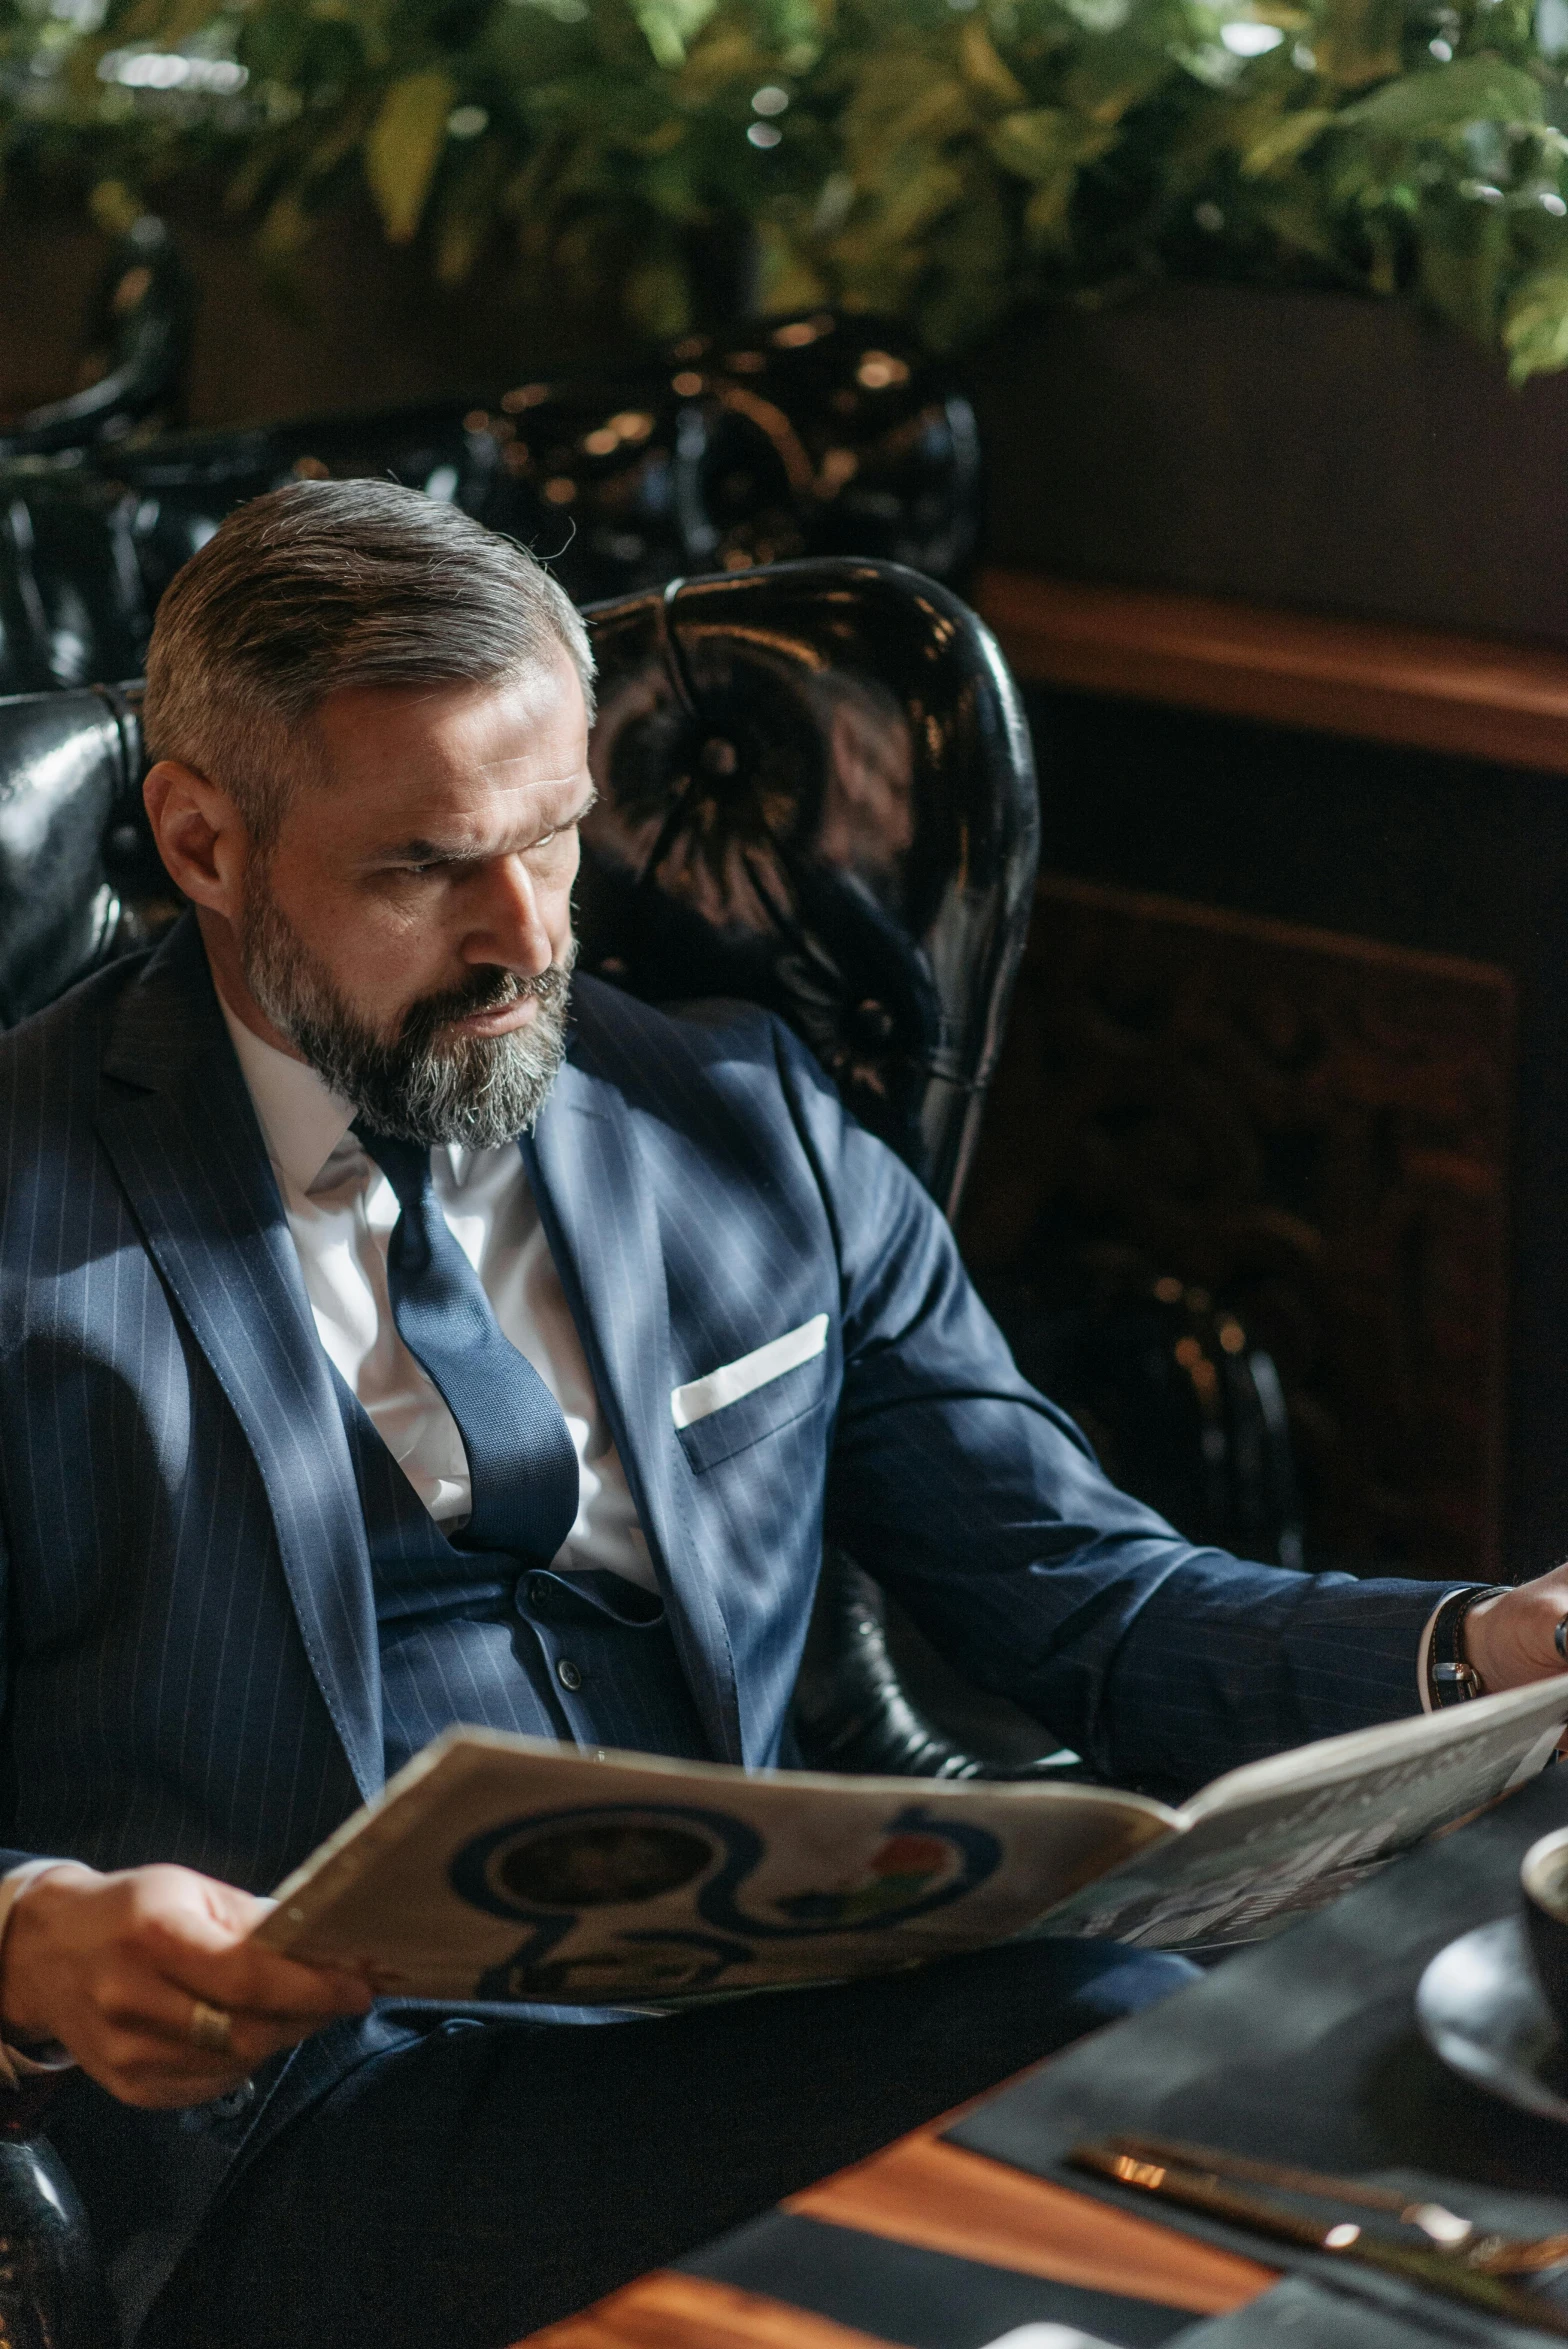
(521, 1458)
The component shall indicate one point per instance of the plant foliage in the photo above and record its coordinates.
(942, 159)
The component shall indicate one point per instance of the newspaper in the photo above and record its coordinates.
(498, 1868)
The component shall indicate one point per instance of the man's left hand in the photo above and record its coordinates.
(1512, 1639)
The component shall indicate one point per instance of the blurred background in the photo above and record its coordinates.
(1215, 352)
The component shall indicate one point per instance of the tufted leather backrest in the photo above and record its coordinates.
(71, 828)
(816, 435)
(816, 793)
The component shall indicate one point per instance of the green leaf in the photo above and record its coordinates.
(1357, 41)
(1289, 137)
(404, 146)
(468, 214)
(1463, 277)
(789, 281)
(165, 23)
(1475, 89)
(1046, 142)
(670, 26)
(1035, 143)
(984, 70)
(1535, 325)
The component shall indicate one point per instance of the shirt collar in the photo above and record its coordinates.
(302, 1119)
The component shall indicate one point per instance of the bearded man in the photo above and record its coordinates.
(352, 1267)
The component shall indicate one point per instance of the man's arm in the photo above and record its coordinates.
(982, 1507)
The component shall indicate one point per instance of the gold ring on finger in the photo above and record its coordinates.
(210, 2027)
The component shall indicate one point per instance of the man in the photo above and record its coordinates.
(384, 1347)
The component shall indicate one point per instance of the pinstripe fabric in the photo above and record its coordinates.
(192, 1666)
(470, 1635)
(911, 1438)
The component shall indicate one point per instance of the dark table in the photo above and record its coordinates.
(1304, 2050)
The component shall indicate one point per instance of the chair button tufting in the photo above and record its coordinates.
(569, 1674)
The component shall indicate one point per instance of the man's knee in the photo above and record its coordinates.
(1044, 1994)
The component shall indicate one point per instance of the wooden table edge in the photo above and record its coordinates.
(668, 2310)
(942, 2197)
(932, 2196)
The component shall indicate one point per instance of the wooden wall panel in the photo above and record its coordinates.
(1316, 1130)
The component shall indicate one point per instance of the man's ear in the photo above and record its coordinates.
(201, 835)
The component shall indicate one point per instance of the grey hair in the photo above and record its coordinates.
(329, 584)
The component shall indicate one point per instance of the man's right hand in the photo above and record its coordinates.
(113, 1968)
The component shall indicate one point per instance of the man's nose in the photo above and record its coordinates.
(510, 928)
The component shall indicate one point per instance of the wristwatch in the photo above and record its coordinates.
(1451, 1677)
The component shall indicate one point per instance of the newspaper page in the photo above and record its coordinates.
(1271, 1842)
(501, 1868)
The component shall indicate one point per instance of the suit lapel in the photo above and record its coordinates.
(596, 1204)
(175, 1117)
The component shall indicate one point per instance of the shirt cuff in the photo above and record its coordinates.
(15, 2067)
(1423, 1686)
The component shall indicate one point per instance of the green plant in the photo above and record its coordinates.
(942, 159)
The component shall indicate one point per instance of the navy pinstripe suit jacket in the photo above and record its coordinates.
(191, 1660)
(191, 1667)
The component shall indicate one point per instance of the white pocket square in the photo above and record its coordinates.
(753, 1370)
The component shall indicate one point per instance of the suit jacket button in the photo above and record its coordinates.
(568, 1674)
(540, 1592)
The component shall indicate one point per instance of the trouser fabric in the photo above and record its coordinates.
(459, 2191)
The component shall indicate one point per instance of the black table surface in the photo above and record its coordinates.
(1305, 2050)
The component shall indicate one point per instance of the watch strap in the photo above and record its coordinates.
(1451, 1677)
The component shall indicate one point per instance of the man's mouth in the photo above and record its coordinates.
(498, 1021)
(488, 1003)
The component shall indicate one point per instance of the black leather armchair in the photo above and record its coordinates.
(816, 792)
(136, 342)
(787, 437)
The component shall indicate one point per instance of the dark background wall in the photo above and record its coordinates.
(1322, 450)
(360, 325)
(1442, 856)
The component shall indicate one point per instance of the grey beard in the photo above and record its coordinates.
(476, 1090)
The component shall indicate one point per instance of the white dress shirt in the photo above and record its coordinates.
(341, 1210)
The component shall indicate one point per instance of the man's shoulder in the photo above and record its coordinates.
(731, 1076)
(45, 1055)
(640, 1044)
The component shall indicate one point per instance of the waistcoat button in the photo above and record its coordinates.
(568, 1674)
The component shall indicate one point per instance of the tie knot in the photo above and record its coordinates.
(406, 1165)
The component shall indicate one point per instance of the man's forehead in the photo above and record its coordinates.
(461, 761)
(510, 718)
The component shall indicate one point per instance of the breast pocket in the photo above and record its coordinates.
(734, 1407)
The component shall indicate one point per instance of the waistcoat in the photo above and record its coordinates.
(479, 1637)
